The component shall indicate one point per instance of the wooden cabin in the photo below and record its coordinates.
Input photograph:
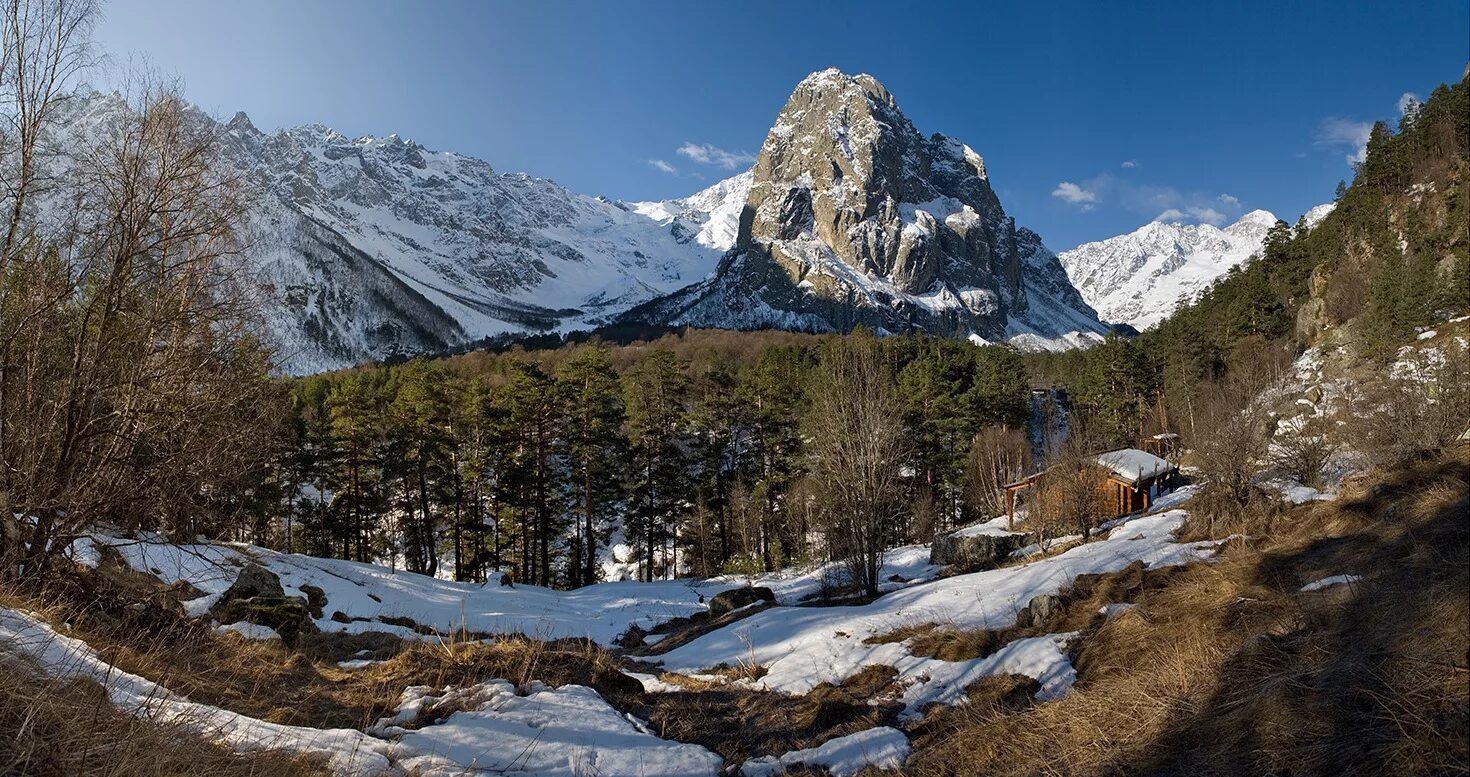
(1131, 480)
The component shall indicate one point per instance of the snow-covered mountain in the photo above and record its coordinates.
(1142, 277)
(711, 217)
(854, 218)
(370, 245)
(1315, 214)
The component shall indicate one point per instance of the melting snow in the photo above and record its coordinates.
(883, 748)
(1328, 582)
(802, 647)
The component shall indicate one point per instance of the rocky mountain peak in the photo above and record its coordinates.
(854, 217)
(242, 124)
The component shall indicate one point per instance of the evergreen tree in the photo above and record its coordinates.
(655, 391)
(531, 476)
(422, 440)
(719, 428)
(594, 447)
(771, 396)
(355, 407)
(476, 423)
(1114, 389)
(940, 421)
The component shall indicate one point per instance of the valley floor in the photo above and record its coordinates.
(1285, 646)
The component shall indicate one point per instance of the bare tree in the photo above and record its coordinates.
(1302, 452)
(133, 378)
(1233, 426)
(998, 455)
(858, 451)
(44, 44)
(1070, 496)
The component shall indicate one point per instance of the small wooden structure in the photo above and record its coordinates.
(1132, 478)
(1165, 445)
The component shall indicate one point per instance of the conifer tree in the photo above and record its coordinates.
(771, 395)
(532, 476)
(656, 392)
(356, 408)
(594, 446)
(420, 427)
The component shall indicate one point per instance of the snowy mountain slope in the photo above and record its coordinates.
(1141, 277)
(369, 245)
(711, 215)
(854, 218)
(1315, 214)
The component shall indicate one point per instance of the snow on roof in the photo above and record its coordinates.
(1133, 465)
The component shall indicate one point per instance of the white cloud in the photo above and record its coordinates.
(1335, 132)
(1408, 105)
(662, 166)
(1069, 192)
(1195, 213)
(1207, 215)
(1129, 164)
(1145, 199)
(710, 154)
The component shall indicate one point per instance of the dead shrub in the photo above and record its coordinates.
(1420, 410)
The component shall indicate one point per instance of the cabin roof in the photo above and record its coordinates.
(1127, 465)
(1134, 466)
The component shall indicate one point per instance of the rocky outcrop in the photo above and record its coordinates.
(735, 598)
(964, 553)
(854, 217)
(256, 596)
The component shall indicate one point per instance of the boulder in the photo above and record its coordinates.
(632, 638)
(735, 598)
(254, 580)
(316, 599)
(1039, 610)
(256, 596)
(286, 614)
(976, 552)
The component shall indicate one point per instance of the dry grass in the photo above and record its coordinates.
(1229, 669)
(739, 723)
(68, 728)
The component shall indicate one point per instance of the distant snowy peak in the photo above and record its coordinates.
(1140, 278)
(1314, 216)
(711, 217)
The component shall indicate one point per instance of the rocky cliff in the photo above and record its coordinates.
(855, 218)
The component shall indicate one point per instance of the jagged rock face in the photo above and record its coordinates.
(854, 217)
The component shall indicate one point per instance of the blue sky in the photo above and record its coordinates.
(1093, 117)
